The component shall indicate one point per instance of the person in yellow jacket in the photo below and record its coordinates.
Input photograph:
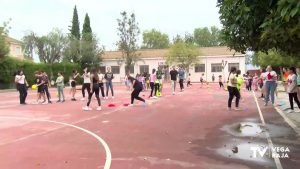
(240, 81)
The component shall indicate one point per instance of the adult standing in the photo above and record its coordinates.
(181, 75)
(95, 89)
(73, 84)
(232, 89)
(109, 76)
(270, 81)
(292, 88)
(173, 74)
(60, 87)
(46, 85)
(213, 78)
(153, 86)
(101, 82)
(86, 82)
(159, 82)
(22, 85)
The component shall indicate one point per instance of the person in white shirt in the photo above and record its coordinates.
(86, 82)
(270, 78)
(101, 82)
(21, 85)
(292, 88)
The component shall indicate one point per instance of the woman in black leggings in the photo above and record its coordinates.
(137, 88)
(292, 89)
(232, 89)
(95, 89)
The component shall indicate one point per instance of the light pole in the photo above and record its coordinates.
(224, 63)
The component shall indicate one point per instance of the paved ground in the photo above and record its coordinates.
(191, 130)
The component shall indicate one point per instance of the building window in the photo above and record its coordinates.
(236, 65)
(102, 69)
(216, 67)
(200, 68)
(144, 68)
(18, 50)
(115, 69)
(131, 69)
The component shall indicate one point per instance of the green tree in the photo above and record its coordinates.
(275, 58)
(215, 36)
(154, 39)
(261, 25)
(128, 32)
(72, 50)
(183, 54)
(189, 38)
(75, 30)
(4, 49)
(29, 45)
(202, 37)
(87, 34)
(91, 53)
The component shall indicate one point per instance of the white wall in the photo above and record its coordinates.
(195, 77)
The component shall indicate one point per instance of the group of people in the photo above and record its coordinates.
(267, 82)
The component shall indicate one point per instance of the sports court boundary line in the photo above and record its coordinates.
(104, 144)
(270, 143)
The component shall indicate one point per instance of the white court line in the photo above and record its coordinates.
(270, 143)
(104, 144)
(288, 121)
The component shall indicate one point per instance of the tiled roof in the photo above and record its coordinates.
(12, 40)
(159, 53)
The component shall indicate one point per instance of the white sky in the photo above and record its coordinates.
(169, 16)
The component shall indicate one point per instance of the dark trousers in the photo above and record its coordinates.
(249, 87)
(188, 83)
(101, 85)
(46, 90)
(86, 86)
(109, 85)
(233, 91)
(181, 83)
(135, 95)
(23, 92)
(96, 91)
(292, 97)
(152, 88)
(221, 84)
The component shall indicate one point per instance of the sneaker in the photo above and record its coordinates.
(112, 97)
(145, 103)
(237, 109)
(228, 108)
(82, 99)
(130, 105)
(44, 102)
(266, 104)
(105, 97)
(73, 99)
(63, 101)
(58, 101)
(86, 108)
(98, 108)
(173, 93)
(50, 102)
(290, 111)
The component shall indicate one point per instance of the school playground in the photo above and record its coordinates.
(189, 130)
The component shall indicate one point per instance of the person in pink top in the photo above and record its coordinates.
(152, 82)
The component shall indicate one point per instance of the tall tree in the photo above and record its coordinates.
(29, 45)
(261, 25)
(154, 39)
(215, 36)
(87, 34)
(189, 38)
(75, 30)
(183, 54)
(128, 32)
(4, 49)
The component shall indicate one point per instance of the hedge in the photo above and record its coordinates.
(9, 66)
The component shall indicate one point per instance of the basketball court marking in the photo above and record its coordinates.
(104, 144)
(270, 143)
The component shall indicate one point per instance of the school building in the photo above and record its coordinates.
(212, 61)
